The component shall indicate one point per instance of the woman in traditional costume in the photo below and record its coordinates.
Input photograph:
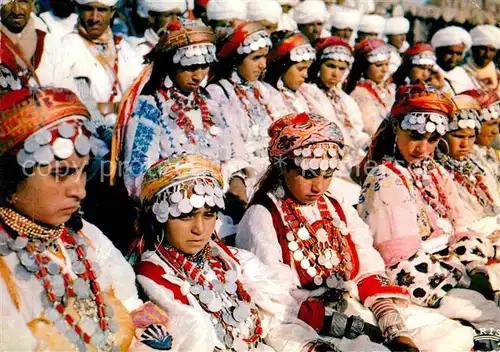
(415, 213)
(334, 61)
(483, 152)
(173, 114)
(418, 63)
(237, 85)
(64, 286)
(323, 250)
(367, 82)
(220, 298)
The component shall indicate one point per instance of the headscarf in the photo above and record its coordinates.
(245, 39)
(298, 46)
(109, 3)
(374, 50)
(487, 35)
(450, 36)
(310, 11)
(489, 103)
(397, 25)
(421, 54)
(177, 185)
(334, 48)
(264, 10)
(310, 140)
(192, 41)
(220, 10)
(344, 17)
(163, 5)
(41, 126)
(423, 109)
(466, 113)
(371, 24)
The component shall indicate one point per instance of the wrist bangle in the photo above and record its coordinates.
(355, 327)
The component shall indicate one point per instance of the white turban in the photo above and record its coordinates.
(220, 10)
(260, 10)
(163, 5)
(487, 35)
(344, 17)
(371, 24)
(397, 25)
(449, 36)
(104, 2)
(310, 11)
(288, 2)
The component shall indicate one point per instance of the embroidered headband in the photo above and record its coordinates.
(311, 141)
(466, 114)
(489, 103)
(177, 185)
(374, 50)
(334, 48)
(298, 46)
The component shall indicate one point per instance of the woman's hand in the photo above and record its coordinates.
(402, 343)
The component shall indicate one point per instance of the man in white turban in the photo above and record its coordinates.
(344, 22)
(160, 12)
(266, 12)
(480, 65)
(223, 14)
(310, 16)
(23, 48)
(450, 45)
(370, 27)
(60, 19)
(396, 29)
(96, 64)
(286, 21)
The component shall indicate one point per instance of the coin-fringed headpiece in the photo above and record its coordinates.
(374, 50)
(310, 140)
(245, 39)
(298, 46)
(44, 125)
(489, 102)
(177, 185)
(421, 54)
(192, 41)
(466, 113)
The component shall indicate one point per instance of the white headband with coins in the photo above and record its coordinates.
(382, 53)
(425, 122)
(319, 156)
(254, 42)
(465, 118)
(184, 196)
(303, 53)
(338, 53)
(58, 141)
(425, 58)
(196, 54)
(492, 112)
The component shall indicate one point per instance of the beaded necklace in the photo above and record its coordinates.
(321, 248)
(114, 89)
(95, 325)
(225, 298)
(471, 179)
(339, 107)
(182, 105)
(374, 89)
(243, 97)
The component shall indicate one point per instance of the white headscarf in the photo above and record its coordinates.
(163, 5)
(449, 36)
(397, 25)
(344, 17)
(260, 10)
(104, 2)
(219, 10)
(487, 35)
(310, 11)
(371, 24)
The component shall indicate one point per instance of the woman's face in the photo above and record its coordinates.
(191, 232)
(414, 146)
(489, 130)
(296, 75)
(377, 71)
(189, 78)
(460, 142)
(253, 65)
(419, 74)
(332, 72)
(53, 192)
(307, 186)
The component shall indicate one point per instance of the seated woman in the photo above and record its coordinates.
(237, 85)
(414, 211)
(173, 113)
(483, 152)
(196, 279)
(64, 286)
(333, 63)
(322, 250)
(367, 82)
(418, 62)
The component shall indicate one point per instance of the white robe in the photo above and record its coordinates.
(144, 45)
(459, 80)
(57, 26)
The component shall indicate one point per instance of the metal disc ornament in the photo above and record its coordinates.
(82, 145)
(63, 148)
(206, 296)
(44, 155)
